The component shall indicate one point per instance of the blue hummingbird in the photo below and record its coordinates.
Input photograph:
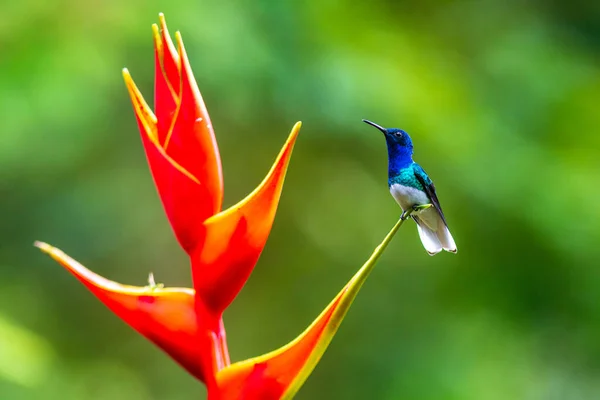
(412, 188)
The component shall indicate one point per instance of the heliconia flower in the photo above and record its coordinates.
(223, 245)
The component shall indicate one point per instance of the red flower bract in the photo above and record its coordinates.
(223, 246)
(167, 317)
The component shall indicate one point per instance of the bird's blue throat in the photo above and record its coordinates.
(399, 156)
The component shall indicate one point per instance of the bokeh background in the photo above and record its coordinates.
(502, 101)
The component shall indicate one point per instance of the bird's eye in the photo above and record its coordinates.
(398, 134)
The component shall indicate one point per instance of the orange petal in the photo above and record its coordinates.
(235, 237)
(191, 140)
(281, 373)
(166, 317)
(181, 193)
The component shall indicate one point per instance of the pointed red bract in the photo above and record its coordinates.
(269, 377)
(181, 193)
(181, 132)
(235, 238)
(191, 140)
(282, 372)
(167, 317)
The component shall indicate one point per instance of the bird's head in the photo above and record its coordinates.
(394, 137)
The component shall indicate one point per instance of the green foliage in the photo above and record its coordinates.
(500, 98)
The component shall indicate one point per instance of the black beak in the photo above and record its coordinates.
(381, 128)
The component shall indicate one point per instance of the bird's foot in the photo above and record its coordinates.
(421, 207)
(414, 209)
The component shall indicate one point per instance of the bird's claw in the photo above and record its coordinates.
(416, 208)
(421, 207)
(404, 215)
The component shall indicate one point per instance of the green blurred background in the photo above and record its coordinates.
(501, 99)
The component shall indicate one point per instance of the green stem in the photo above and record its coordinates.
(388, 238)
(359, 278)
(341, 303)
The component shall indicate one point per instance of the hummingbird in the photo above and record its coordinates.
(412, 189)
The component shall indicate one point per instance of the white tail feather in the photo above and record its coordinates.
(428, 238)
(434, 234)
(445, 237)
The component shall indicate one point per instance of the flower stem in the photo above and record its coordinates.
(341, 303)
(388, 238)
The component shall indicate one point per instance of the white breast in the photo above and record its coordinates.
(407, 196)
